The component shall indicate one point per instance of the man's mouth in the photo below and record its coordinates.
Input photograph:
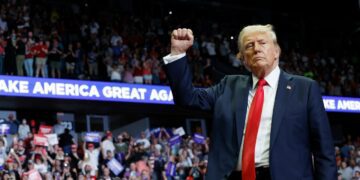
(258, 58)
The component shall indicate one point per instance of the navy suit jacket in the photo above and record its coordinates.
(301, 145)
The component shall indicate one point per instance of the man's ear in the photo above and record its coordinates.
(239, 56)
(278, 51)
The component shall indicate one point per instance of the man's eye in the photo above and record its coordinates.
(248, 46)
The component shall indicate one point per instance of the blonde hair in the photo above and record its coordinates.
(268, 28)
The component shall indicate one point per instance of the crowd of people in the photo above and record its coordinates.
(40, 41)
(348, 159)
(149, 155)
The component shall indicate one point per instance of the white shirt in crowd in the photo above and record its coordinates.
(42, 168)
(107, 145)
(59, 128)
(144, 141)
(23, 131)
(93, 159)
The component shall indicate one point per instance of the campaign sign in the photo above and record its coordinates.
(115, 166)
(45, 129)
(175, 140)
(52, 139)
(198, 138)
(120, 156)
(171, 169)
(179, 131)
(4, 129)
(92, 137)
(155, 132)
(40, 140)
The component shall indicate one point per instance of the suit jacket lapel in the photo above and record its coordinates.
(285, 87)
(241, 103)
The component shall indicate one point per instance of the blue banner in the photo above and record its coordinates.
(341, 104)
(155, 132)
(92, 137)
(198, 138)
(175, 140)
(115, 166)
(120, 92)
(171, 169)
(84, 90)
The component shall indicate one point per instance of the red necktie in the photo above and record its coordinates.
(248, 155)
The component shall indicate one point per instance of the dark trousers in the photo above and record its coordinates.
(261, 174)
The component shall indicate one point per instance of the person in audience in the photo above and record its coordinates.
(91, 159)
(29, 57)
(40, 163)
(2, 55)
(107, 144)
(10, 58)
(69, 57)
(59, 128)
(54, 57)
(143, 140)
(41, 51)
(66, 140)
(20, 54)
(13, 123)
(24, 129)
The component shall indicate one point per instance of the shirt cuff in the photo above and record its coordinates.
(171, 58)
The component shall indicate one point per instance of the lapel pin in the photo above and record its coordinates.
(288, 87)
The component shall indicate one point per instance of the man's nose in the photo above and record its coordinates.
(257, 47)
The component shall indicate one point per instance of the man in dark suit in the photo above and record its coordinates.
(269, 125)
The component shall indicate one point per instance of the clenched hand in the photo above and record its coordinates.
(181, 40)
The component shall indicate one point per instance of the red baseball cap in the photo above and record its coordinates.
(90, 145)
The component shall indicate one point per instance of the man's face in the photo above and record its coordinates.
(106, 171)
(109, 154)
(260, 53)
(73, 149)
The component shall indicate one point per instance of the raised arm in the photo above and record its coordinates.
(180, 77)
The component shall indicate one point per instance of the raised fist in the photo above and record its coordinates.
(181, 40)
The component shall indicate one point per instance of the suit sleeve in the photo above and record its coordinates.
(321, 138)
(180, 79)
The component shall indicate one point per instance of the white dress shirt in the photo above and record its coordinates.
(171, 58)
(263, 138)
